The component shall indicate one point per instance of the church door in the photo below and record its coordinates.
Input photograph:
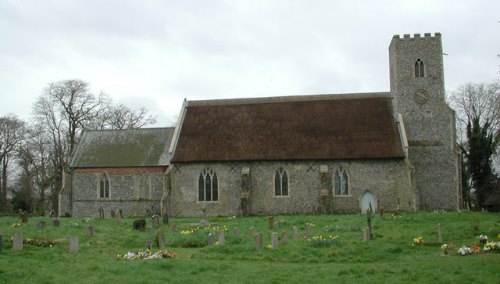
(366, 200)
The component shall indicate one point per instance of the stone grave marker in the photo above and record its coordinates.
(295, 233)
(253, 231)
(222, 238)
(17, 242)
(211, 238)
(121, 213)
(274, 240)
(156, 221)
(258, 240)
(152, 231)
(90, 231)
(284, 236)
(440, 233)
(73, 244)
(366, 234)
(23, 215)
(112, 213)
(173, 227)
(308, 230)
(101, 213)
(204, 223)
(165, 219)
(41, 225)
(236, 232)
(1, 242)
(161, 239)
(56, 223)
(118, 218)
(270, 222)
(149, 244)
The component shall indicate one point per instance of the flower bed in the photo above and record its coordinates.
(148, 254)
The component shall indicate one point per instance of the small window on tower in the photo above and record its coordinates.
(419, 68)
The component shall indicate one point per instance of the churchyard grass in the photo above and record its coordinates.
(334, 250)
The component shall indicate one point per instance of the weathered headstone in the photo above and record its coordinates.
(152, 231)
(308, 230)
(161, 239)
(253, 231)
(165, 218)
(156, 221)
(17, 242)
(366, 234)
(90, 231)
(121, 213)
(222, 238)
(112, 212)
(118, 218)
(173, 227)
(211, 238)
(274, 240)
(236, 232)
(295, 233)
(56, 223)
(284, 236)
(258, 240)
(369, 220)
(270, 222)
(1, 242)
(41, 225)
(204, 223)
(23, 215)
(101, 213)
(149, 244)
(440, 233)
(73, 244)
(139, 224)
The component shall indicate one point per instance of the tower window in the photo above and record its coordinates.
(419, 68)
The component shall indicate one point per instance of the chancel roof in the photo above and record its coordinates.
(319, 127)
(143, 147)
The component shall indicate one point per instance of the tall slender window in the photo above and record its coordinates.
(208, 186)
(341, 182)
(104, 186)
(419, 68)
(280, 183)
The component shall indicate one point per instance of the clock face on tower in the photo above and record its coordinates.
(421, 96)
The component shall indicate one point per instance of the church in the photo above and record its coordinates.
(330, 153)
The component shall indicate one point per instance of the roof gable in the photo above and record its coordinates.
(289, 128)
(123, 148)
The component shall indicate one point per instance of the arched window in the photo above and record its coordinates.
(280, 183)
(208, 186)
(104, 186)
(419, 68)
(341, 182)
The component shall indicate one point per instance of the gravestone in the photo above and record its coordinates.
(152, 231)
(1, 242)
(17, 242)
(90, 231)
(41, 225)
(156, 221)
(369, 220)
(56, 223)
(274, 240)
(165, 219)
(23, 215)
(149, 244)
(270, 222)
(121, 213)
(204, 223)
(258, 240)
(112, 213)
(211, 238)
(295, 233)
(161, 239)
(440, 233)
(139, 224)
(308, 230)
(222, 238)
(101, 213)
(73, 244)
(173, 227)
(118, 218)
(284, 236)
(366, 234)
(236, 232)
(253, 231)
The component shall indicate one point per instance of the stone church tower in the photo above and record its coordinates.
(417, 86)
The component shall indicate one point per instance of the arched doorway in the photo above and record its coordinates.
(366, 199)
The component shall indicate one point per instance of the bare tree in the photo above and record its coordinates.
(12, 133)
(122, 117)
(478, 111)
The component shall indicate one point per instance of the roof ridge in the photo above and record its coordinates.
(128, 129)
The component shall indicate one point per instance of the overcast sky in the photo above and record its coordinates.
(156, 53)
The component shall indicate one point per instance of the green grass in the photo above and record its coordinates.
(389, 258)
